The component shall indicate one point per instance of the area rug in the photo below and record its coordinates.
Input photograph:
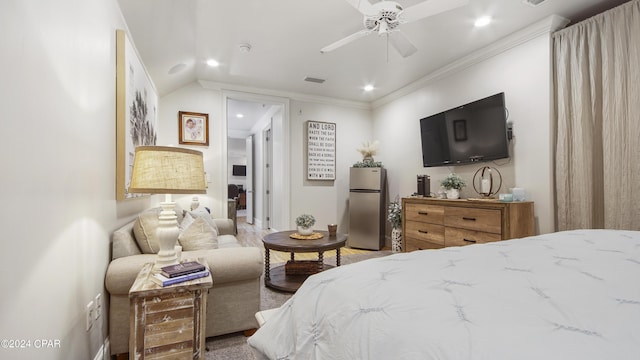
(234, 346)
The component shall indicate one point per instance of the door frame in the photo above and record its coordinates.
(281, 197)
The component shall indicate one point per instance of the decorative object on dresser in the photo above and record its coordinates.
(453, 184)
(485, 182)
(167, 170)
(305, 224)
(429, 223)
(395, 218)
(167, 320)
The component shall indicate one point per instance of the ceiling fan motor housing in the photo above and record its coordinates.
(387, 12)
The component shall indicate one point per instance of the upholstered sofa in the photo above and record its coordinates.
(236, 271)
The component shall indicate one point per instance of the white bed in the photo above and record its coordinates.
(566, 295)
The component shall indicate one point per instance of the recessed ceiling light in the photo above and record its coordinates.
(213, 63)
(239, 116)
(482, 21)
(368, 88)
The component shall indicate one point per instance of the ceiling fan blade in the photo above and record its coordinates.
(363, 6)
(348, 39)
(402, 44)
(429, 8)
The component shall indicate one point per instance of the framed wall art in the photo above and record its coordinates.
(136, 111)
(321, 150)
(193, 128)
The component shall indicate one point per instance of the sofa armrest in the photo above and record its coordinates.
(122, 272)
(231, 264)
(225, 226)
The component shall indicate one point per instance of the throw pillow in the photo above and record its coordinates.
(144, 230)
(204, 214)
(198, 236)
(186, 222)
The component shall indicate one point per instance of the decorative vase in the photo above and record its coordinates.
(453, 193)
(305, 230)
(396, 240)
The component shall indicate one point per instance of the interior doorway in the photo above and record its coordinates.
(254, 124)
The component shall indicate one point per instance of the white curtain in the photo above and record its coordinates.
(597, 113)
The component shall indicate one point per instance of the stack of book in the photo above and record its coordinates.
(174, 274)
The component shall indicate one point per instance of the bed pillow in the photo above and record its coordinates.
(198, 236)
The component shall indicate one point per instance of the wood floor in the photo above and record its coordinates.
(250, 235)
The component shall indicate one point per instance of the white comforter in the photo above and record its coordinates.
(567, 295)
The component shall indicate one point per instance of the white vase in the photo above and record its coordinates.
(453, 193)
(305, 230)
(396, 240)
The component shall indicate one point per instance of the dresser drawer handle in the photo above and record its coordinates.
(423, 231)
(468, 218)
(469, 241)
(423, 213)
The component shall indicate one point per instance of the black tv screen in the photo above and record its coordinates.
(474, 132)
(239, 170)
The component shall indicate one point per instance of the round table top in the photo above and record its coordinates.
(282, 242)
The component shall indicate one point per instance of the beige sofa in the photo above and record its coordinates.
(231, 303)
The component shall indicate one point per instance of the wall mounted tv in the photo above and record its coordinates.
(470, 133)
(239, 170)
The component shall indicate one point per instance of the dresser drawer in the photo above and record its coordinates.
(461, 237)
(411, 244)
(486, 220)
(425, 213)
(425, 231)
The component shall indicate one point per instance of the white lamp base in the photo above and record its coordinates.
(167, 234)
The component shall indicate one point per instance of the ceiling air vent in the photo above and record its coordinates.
(314, 80)
(533, 2)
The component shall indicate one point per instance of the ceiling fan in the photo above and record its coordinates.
(385, 17)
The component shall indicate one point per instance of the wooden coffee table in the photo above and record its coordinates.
(277, 278)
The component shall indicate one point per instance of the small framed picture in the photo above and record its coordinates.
(193, 128)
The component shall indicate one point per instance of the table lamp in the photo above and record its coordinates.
(167, 170)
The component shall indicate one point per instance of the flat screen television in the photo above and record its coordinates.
(474, 132)
(239, 170)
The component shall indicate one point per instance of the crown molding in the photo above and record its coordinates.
(213, 85)
(545, 26)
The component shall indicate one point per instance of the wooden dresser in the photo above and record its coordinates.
(167, 322)
(429, 223)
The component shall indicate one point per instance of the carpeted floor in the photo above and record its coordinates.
(234, 346)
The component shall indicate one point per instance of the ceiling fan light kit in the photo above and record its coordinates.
(385, 17)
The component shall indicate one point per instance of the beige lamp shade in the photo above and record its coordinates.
(167, 170)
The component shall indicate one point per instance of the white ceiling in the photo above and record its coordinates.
(286, 37)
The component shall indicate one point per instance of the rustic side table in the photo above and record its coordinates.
(167, 320)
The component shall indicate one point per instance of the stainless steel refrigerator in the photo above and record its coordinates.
(367, 215)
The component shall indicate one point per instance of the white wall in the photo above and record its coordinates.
(326, 200)
(523, 73)
(195, 98)
(57, 97)
(237, 155)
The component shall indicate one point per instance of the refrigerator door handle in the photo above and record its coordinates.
(364, 190)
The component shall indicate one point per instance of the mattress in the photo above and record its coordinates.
(566, 295)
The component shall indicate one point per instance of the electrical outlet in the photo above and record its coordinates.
(89, 315)
(98, 307)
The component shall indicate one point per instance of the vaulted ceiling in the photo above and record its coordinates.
(175, 38)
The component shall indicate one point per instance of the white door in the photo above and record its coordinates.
(249, 180)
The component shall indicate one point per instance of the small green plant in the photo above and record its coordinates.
(453, 181)
(305, 221)
(395, 213)
(367, 164)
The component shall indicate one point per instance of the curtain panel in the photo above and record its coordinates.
(597, 115)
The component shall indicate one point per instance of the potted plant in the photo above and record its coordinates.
(305, 223)
(394, 215)
(453, 184)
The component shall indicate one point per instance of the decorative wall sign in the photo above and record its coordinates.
(321, 150)
(193, 128)
(136, 111)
